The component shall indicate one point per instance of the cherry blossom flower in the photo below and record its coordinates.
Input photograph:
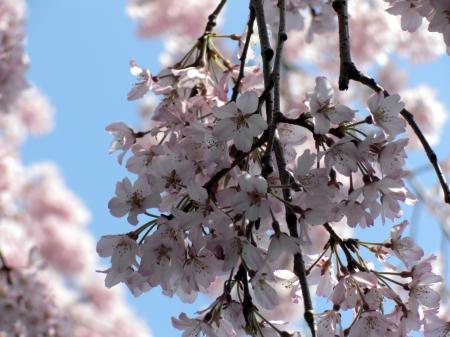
(434, 326)
(328, 324)
(371, 324)
(323, 111)
(404, 248)
(133, 199)
(440, 21)
(343, 156)
(145, 81)
(282, 243)
(123, 251)
(124, 138)
(385, 112)
(411, 18)
(265, 295)
(421, 292)
(192, 327)
(238, 121)
(323, 275)
(252, 198)
(14, 60)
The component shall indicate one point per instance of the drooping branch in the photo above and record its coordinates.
(275, 77)
(266, 56)
(291, 221)
(243, 57)
(272, 78)
(349, 71)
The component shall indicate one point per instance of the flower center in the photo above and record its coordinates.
(240, 120)
(255, 197)
(172, 180)
(136, 199)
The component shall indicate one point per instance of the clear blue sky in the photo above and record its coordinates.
(79, 51)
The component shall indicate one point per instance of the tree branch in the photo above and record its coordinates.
(348, 71)
(212, 18)
(243, 57)
(266, 56)
(275, 77)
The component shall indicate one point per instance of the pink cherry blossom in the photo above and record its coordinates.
(133, 199)
(123, 251)
(371, 324)
(145, 81)
(251, 199)
(410, 13)
(385, 112)
(124, 138)
(239, 122)
(323, 111)
(404, 248)
(434, 326)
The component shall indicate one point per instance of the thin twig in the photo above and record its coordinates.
(203, 40)
(243, 57)
(212, 18)
(349, 71)
(352, 263)
(266, 56)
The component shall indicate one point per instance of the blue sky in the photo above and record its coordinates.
(79, 52)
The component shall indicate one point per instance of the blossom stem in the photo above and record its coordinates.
(327, 246)
(352, 263)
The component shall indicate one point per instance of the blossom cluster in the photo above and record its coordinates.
(412, 12)
(223, 225)
(211, 218)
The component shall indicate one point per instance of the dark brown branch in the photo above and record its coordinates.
(266, 56)
(247, 302)
(275, 77)
(349, 71)
(243, 57)
(212, 18)
(266, 50)
(340, 6)
(302, 121)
